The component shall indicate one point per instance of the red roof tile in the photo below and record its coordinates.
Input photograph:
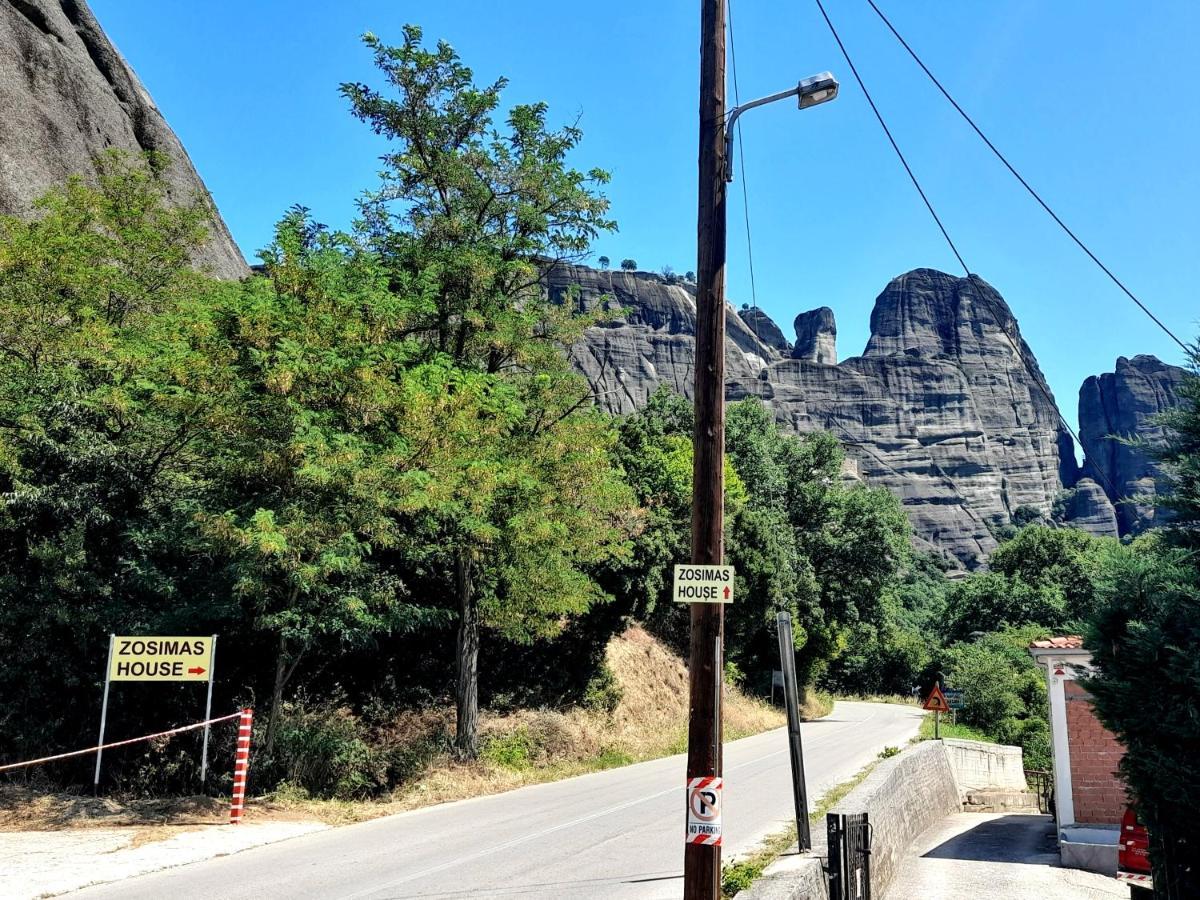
(1066, 642)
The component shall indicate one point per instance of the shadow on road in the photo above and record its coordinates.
(1016, 838)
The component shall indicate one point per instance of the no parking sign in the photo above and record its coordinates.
(704, 801)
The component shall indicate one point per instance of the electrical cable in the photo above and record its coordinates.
(1001, 320)
(892, 140)
(1025, 184)
(737, 100)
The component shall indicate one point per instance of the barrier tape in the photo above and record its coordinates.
(145, 737)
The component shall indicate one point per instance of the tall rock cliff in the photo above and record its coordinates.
(66, 95)
(1117, 407)
(946, 407)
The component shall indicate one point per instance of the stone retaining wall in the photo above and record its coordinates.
(903, 797)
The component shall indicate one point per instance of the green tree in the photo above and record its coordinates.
(322, 457)
(111, 371)
(467, 221)
(629, 265)
(992, 601)
(1144, 639)
(604, 261)
(1180, 456)
(1004, 691)
(1065, 560)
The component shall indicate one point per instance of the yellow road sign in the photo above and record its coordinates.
(161, 659)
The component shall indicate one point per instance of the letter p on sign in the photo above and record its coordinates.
(705, 797)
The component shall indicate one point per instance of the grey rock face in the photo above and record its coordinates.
(1124, 404)
(1090, 510)
(66, 95)
(816, 336)
(941, 409)
(763, 328)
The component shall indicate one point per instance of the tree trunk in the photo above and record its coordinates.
(276, 695)
(466, 736)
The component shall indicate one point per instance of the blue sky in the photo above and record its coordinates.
(1093, 100)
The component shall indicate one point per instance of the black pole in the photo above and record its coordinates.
(791, 700)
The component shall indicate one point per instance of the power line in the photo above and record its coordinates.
(1025, 184)
(892, 140)
(1001, 320)
(737, 100)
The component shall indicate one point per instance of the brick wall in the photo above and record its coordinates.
(1098, 792)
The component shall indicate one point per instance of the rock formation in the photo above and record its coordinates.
(765, 330)
(1089, 509)
(66, 95)
(1117, 407)
(946, 407)
(816, 337)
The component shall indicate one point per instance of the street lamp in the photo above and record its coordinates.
(812, 91)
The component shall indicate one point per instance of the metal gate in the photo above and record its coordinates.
(849, 856)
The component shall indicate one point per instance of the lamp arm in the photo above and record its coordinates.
(732, 117)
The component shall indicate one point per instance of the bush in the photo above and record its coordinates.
(603, 692)
(326, 750)
(1005, 693)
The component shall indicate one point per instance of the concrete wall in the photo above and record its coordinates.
(978, 765)
(903, 797)
(1098, 792)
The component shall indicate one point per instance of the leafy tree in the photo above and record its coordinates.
(689, 277)
(604, 261)
(322, 455)
(992, 601)
(1143, 638)
(1180, 456)
(799, 539)
(629, 265)
(1144, 641)
(468, 219)
(1004, 691)
(111, 371)
(1066, 560)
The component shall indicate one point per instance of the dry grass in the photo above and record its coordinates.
(519, 748)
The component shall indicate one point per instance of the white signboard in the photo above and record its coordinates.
(704, 811)
(703, 584)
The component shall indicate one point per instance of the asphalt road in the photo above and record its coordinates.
(614, 834)
(1001, 857)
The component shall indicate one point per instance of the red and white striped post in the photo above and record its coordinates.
(241, 764)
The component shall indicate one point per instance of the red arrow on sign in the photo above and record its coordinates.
(196, 670)
(726, 592)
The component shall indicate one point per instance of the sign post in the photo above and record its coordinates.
(936, 703)
(791, 699)
(156, 659)
(956, 700)
(212, 653)
(112, 639)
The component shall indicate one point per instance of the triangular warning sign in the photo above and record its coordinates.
(936, 701)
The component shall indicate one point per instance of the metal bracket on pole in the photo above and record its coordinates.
(791, 699)
(112, 638)
(212, 676)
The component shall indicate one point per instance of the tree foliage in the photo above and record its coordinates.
(1147, 688)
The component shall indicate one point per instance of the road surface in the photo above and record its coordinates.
(998, 856)
(613, 834)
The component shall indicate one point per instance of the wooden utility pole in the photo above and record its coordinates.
(702, 862)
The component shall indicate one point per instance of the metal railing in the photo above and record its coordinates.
(1041, 783)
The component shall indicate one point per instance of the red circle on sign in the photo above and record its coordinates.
(705, 798)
